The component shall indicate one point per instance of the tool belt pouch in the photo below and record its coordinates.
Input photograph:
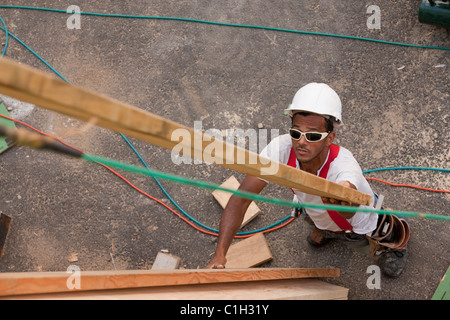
(392, 234)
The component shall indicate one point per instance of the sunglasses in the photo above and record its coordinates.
(309, 136)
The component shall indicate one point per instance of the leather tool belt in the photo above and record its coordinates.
(392, 234)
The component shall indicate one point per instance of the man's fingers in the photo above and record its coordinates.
(217, 263)
(330, 200)
(215, 266)
(341, 202)
(338, 202)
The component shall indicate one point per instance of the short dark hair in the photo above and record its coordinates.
(329, 122)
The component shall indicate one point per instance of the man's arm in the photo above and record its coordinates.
(231, 220)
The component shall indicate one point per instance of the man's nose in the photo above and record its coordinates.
(302, 141)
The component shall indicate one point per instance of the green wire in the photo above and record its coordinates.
(248, 195)
(228, 25)
(6, 32)
(406, 168)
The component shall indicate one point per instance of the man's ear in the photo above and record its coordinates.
(330, 138)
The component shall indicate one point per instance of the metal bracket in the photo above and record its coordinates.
(379, 202)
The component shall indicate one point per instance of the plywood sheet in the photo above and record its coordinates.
(294, 289)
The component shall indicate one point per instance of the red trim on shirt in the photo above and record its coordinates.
(333, 153)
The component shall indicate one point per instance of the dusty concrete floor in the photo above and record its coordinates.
(396, 113)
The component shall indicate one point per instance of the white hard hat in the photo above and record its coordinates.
(317, 98)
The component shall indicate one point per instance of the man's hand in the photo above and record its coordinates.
(217, 263)
(346, 215)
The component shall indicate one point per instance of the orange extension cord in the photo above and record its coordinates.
(407, 185)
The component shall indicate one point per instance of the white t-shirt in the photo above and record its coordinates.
(343, 168)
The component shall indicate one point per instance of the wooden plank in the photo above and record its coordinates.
(223, 197)
(27, 84)
(166, 261)
(13, 284)
(293, 289)
(248, 253)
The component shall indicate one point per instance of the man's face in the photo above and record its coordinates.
(310, 151)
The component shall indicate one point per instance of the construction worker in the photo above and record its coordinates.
(315, 113)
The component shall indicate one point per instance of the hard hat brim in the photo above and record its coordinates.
(336, 122)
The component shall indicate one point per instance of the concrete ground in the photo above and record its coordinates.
(395, 110)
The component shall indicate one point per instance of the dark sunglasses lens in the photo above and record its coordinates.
(295, 134)
(313, 136)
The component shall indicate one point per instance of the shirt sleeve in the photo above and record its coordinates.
(349, 170)
(277, 150)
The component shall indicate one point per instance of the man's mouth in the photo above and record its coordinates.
(302, 151)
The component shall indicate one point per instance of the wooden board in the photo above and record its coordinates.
(248, 253)
(30, 85)
(166, 261)
(293, 289)
(13, 284)
(223, 197)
